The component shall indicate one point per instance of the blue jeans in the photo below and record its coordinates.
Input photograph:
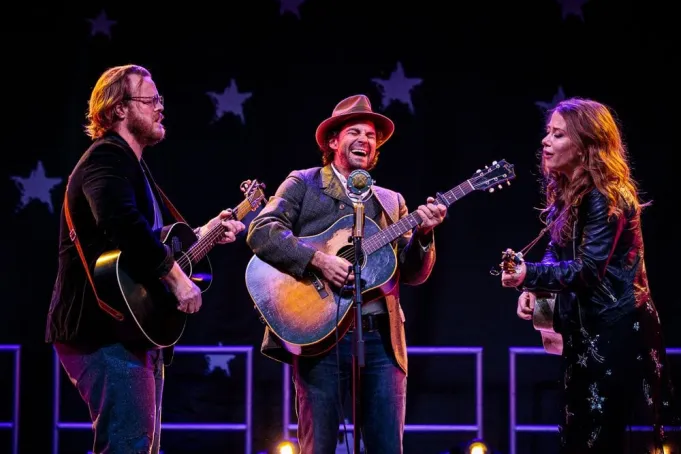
(123, 390)
(383, 398)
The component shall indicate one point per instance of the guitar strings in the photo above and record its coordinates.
(349, 253)
(206, 242)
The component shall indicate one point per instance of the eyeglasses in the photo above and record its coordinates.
(153, 100)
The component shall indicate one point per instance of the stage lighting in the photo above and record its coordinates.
(477, 447)
(286, 447)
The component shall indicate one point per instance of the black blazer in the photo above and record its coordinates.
(603, 267)
(111, 208)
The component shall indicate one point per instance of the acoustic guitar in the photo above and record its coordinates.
(303, 312)
(149, 308)
(544, 307)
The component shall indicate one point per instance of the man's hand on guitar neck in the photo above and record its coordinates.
(334, 268)
(232, 227)
(432, 214)
(187, 293)
(526, 302)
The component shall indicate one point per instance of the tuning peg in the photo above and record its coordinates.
(491, 190)
(486, 167)
(494, 163)
(500, 187)
(478, 171)
(508, 183)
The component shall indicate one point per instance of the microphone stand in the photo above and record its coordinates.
(358, 339)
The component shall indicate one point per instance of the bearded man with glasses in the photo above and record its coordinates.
(112, 202)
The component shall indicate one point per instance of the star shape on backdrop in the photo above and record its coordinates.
(572, 8)
(101, 25)
(36, 187)
(558, 97)
(220, 361)
(290, 6)
(398, 87)
(230, 100)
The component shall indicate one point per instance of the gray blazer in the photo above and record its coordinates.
(307, 203)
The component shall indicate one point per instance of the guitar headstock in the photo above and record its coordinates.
(496, 174)
(253, 191)
(510, 260)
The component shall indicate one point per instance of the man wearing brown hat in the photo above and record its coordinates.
(306, 204)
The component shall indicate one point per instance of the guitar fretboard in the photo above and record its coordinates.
(199, 250)
(380, 239)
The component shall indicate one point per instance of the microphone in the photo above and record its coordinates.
(359, 184)
(359, 189)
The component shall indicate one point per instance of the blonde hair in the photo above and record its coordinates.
(111, 89)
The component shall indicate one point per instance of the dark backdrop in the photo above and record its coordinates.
(482, 74)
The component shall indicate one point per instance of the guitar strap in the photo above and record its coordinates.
(527, 248)
(74, 238)
(173, 211)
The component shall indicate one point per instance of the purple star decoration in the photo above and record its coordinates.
(558, 97)
(101, 25)
(230, 100)
(219, 361)
(398, 87)
(572, 8)
(36, 187)
(290, 6)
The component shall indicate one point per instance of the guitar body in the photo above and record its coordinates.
(307, 313)
(543, 321)
(302, 312)
(544, 306)
(151, 317)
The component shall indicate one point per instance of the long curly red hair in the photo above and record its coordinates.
(604, 165)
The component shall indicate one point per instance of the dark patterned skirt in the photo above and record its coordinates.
(614, 377)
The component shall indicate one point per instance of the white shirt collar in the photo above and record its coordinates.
(340, 176)
(344, 182)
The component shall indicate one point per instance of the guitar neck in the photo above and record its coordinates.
(199, 250)
(380, 239)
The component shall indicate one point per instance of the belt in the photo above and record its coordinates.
(372, 322)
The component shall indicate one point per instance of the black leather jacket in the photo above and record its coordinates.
(600, 273)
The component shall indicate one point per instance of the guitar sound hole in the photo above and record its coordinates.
(348, 253)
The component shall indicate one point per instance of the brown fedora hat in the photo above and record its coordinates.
(356, 107)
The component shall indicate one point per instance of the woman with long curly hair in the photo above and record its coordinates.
(614, 358)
